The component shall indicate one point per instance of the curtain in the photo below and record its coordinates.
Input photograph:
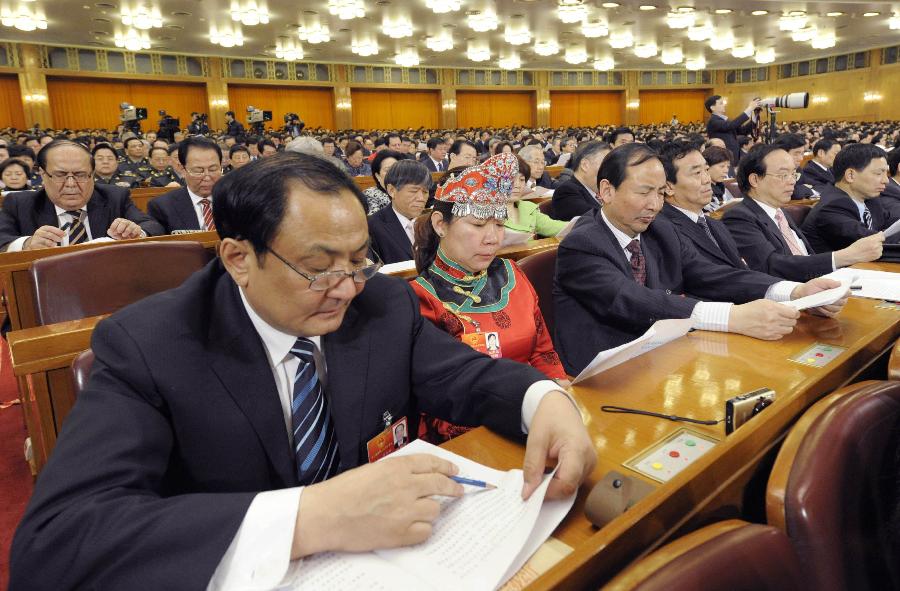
(396, 109)
(94, 103)
(494, 109)
(11, 112)
(315, 106)
(585, 109)
(658, 106)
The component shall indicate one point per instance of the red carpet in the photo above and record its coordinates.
(15, 475)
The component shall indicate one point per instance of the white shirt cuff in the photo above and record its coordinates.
(711, 316)
(259, 557)
(17, 244)
(833, 263)
(781, 291)
(533, 396)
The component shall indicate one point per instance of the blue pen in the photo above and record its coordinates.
(470, 482)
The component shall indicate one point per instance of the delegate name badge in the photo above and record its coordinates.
(484, 342)
(393, 437)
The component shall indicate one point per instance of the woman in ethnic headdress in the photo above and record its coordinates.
(484, 301)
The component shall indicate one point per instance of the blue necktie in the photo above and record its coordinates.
(315, 439)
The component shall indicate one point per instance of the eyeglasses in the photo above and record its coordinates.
(786, 177)
(199, 173)
(60, 177)
(330, 279)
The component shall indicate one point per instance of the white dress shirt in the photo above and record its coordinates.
(771, 211)
(198, 209)
(259, 557)
(707, 315)
(62, 219)
(407, 225)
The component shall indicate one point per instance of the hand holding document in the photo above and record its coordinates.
(892, 229)
(879, 285)
(657, 335)
(823, 298)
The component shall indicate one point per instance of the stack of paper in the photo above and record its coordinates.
(479, 541)
(513, 238)
(880, 285)
(823, 298)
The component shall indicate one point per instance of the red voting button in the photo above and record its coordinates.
(820, 355)
(674, 454)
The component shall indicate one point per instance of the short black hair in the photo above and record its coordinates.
(790, 141)
(458, 144)
(710, 102)
(524, 168)
(103, 146)
(327, 140)
(614, 135)
(133, 139)
(238, 148)
(669, 152)
(717, 154)
(387, 138)
(408, 172)
(857, 157)
(753, 162)
(586, 150)
(158, 148)
(19, 150)
(823, 146)
(352, 148)
(380, 141)
(615, 165)
(200, 143)
(380, 157)
(434, 142)
(249, 203)
(893, 161)
(41, 160)
(263, 143)
(14, 162)
(230, 114)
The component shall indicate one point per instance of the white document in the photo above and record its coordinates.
(100, 240)
(823, 298)
(514, 238)
(879, 285)
(540, 192)
(478, 542)
(657, 335)
(568, 227)
(893, 229)
(400, 267)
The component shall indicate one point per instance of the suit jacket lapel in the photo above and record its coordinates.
(99, 215)
(698, 236)
(347, 361)
(397, 233)
(184, 207)
(799, 233)
(608, 240)
(45, 214)
(768, 222)
(239, 360)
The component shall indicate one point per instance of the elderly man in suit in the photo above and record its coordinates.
(720, 126)
(768, 239)
(619, 271)
(578, 195)
(852, 209)
(70, 209)
(392, 228)
(223, 430)
(190, 207)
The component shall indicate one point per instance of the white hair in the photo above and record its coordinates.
(524, 152)
(305, 145)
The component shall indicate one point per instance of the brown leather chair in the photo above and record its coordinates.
(724, 556)
(540, 269)
(546, 207)
(834, 489)
(797, 213)
(102, 280)
(81, 370)
(733, 188)
(894, 363)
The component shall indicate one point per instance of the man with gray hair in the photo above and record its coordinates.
(534, 156)
(578, 195)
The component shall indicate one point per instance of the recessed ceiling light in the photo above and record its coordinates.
(181, 13)
(797, 13)
(759, 12)
(310, 12)
(834, 14)
(100, 33)
(175, 27)
(101, 20)
(871, 13)
(647, 7)
(610, 5)
(104, 5)
(723, 11)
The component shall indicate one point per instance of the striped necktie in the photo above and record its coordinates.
(638, 262)
(208, 222)
(77, 231)
(701, 221)
(867, 217)
(314, 436)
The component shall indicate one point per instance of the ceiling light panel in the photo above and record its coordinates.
(571, 11)
(249, 13)
(483, 20)
(141, 17)
(347, 9)
(443, 6)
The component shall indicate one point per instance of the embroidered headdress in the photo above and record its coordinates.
(481, 190)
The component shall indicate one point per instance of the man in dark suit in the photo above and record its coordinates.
(578, 195)
(817, 173)
(70, 209)
(391, 229)
(795, 145)
(851, 209)
(724, 128)
(689, 192)
(891, 194)
(223, 430)
(234, 127)
(618, 272)
(435, 160)
(190, 208)
(768, 239)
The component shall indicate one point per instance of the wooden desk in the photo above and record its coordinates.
(717, 214)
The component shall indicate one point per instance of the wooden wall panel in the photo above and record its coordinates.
(589, 109)
(658, 106)
(91, 103)
(315, 106)
(396, 109)
(11, 112)
(494, 109)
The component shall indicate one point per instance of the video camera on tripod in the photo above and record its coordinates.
(257, 119)
(131, 116)
(168, 125)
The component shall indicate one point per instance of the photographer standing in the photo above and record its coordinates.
(293, 125)
(235, 128)
(198, 125)
(720, 126)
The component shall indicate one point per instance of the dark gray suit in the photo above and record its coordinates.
(571, 199)
(174, 210)
(890, 198)
(814, 175)
(723, 252)
(727, 130)
(835, 223)
(388, 237)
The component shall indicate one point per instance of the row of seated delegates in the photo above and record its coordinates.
(190, 207)
(719, 161)
(577, 195)
(465, 289)
(768, 239)
(70, 208)
(622, 268)
(202, 422)
(391, 229)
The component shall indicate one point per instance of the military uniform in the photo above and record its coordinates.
(126, 179)
(161, 179)
(141, 168)
(36, 181)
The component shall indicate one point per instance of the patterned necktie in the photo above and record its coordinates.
(701, 221)
(77, 231)
(638, 263)
(208, 222)
(315, 439)
(787, 233)
(867, 217)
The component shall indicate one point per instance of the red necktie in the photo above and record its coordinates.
(208, 222)
(638, 263)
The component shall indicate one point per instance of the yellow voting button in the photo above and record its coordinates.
(656, 466)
